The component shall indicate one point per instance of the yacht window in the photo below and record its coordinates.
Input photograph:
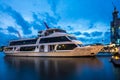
(56, 30)
(8, 49)
(28, 48)
(54, 39)
(66, 46)
(80, 45)
(23, 42)
(60, 31)
(72, 38)
(51, 47)
(42, 48)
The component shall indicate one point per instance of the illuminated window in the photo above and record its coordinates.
(119, 31)
(118, 41)
(113, 31)
(66, 46)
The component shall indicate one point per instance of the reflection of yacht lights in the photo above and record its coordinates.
(115, 57)
(59, 46)
(112, 56)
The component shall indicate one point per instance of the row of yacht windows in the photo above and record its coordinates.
(66, 46)
(43, 40)
(28, 48)
(23, 42)
(54, 39)
(50, 47)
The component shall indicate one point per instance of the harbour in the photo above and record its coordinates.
(40, 68)
(59, 40)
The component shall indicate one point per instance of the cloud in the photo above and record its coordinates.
(50, 20)
(37, 22)
(0, 28)
(11, 29)
(106, 38)
(95, 37)
(17, 17)
(5, 38)
(91, 26)
(86, 34)
(76, 33)
(96, 34)
(70, 27)
(53, 5)
(90, 40)
(40, 18)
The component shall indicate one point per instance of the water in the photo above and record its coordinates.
(37, 68)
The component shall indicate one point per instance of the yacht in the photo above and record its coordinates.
(51, 42)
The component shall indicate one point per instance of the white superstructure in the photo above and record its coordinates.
(51, 42)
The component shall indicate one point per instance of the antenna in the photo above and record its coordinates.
(46, 25)
(114, 6)
(19, 35)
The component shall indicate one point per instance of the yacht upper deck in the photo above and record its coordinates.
(50, 31)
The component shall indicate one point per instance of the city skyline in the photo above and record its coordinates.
(88, 21)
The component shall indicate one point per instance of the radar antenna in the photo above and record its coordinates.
(46, 25)
(19, 35)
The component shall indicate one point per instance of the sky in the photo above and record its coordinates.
(88, 20)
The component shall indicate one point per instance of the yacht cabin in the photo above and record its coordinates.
(50, 40)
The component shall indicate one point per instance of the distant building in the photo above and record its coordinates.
(115, 28)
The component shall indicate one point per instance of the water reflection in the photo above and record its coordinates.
(52, 68)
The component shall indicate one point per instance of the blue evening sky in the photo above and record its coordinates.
(88, 20)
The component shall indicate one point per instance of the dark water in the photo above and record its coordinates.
(36, 68)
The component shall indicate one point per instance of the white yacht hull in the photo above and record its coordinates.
(79, 51)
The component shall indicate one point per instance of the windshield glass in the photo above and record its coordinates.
(72, 38)
(80, 45)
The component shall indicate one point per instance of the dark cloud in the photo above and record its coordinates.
(1, 29)
(106, 38)
(70, 28)
(39, 20)
(53, 5)
(17, 17)
(86, 34)
(11, 29)
(35, 17)
(51, 20)
(4, 39)
(76, 33)
(90, 40)
(59, 27)
(96, 33)
(91, 26)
